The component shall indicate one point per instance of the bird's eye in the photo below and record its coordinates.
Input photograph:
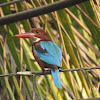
(37, 31)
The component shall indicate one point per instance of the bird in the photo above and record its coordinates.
(46, 53)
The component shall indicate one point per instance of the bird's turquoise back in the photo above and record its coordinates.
(53, 55)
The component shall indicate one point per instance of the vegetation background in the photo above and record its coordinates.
(76, 30)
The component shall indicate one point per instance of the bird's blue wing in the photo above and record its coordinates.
(53, 54)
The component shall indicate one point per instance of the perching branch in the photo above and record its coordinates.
(39, 11)
(46, 72)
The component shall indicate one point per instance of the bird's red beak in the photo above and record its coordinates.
(25, 35)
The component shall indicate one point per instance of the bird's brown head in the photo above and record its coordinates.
(36, 33)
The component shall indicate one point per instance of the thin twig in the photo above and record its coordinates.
(79, 8)
(78, 21)
(34, 87)
(38, 11)
(88, 43)
(46, 72)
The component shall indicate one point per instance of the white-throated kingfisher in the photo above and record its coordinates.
(46, 52)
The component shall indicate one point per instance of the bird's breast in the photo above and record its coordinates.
(41, 63)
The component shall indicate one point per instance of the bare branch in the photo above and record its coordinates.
(10, 2)
(38, 11)
(46, 72)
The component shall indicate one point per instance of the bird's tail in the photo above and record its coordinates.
(56, 77)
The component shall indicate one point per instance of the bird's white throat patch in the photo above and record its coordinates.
(36, 39)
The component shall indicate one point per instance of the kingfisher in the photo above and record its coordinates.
(46, 53)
